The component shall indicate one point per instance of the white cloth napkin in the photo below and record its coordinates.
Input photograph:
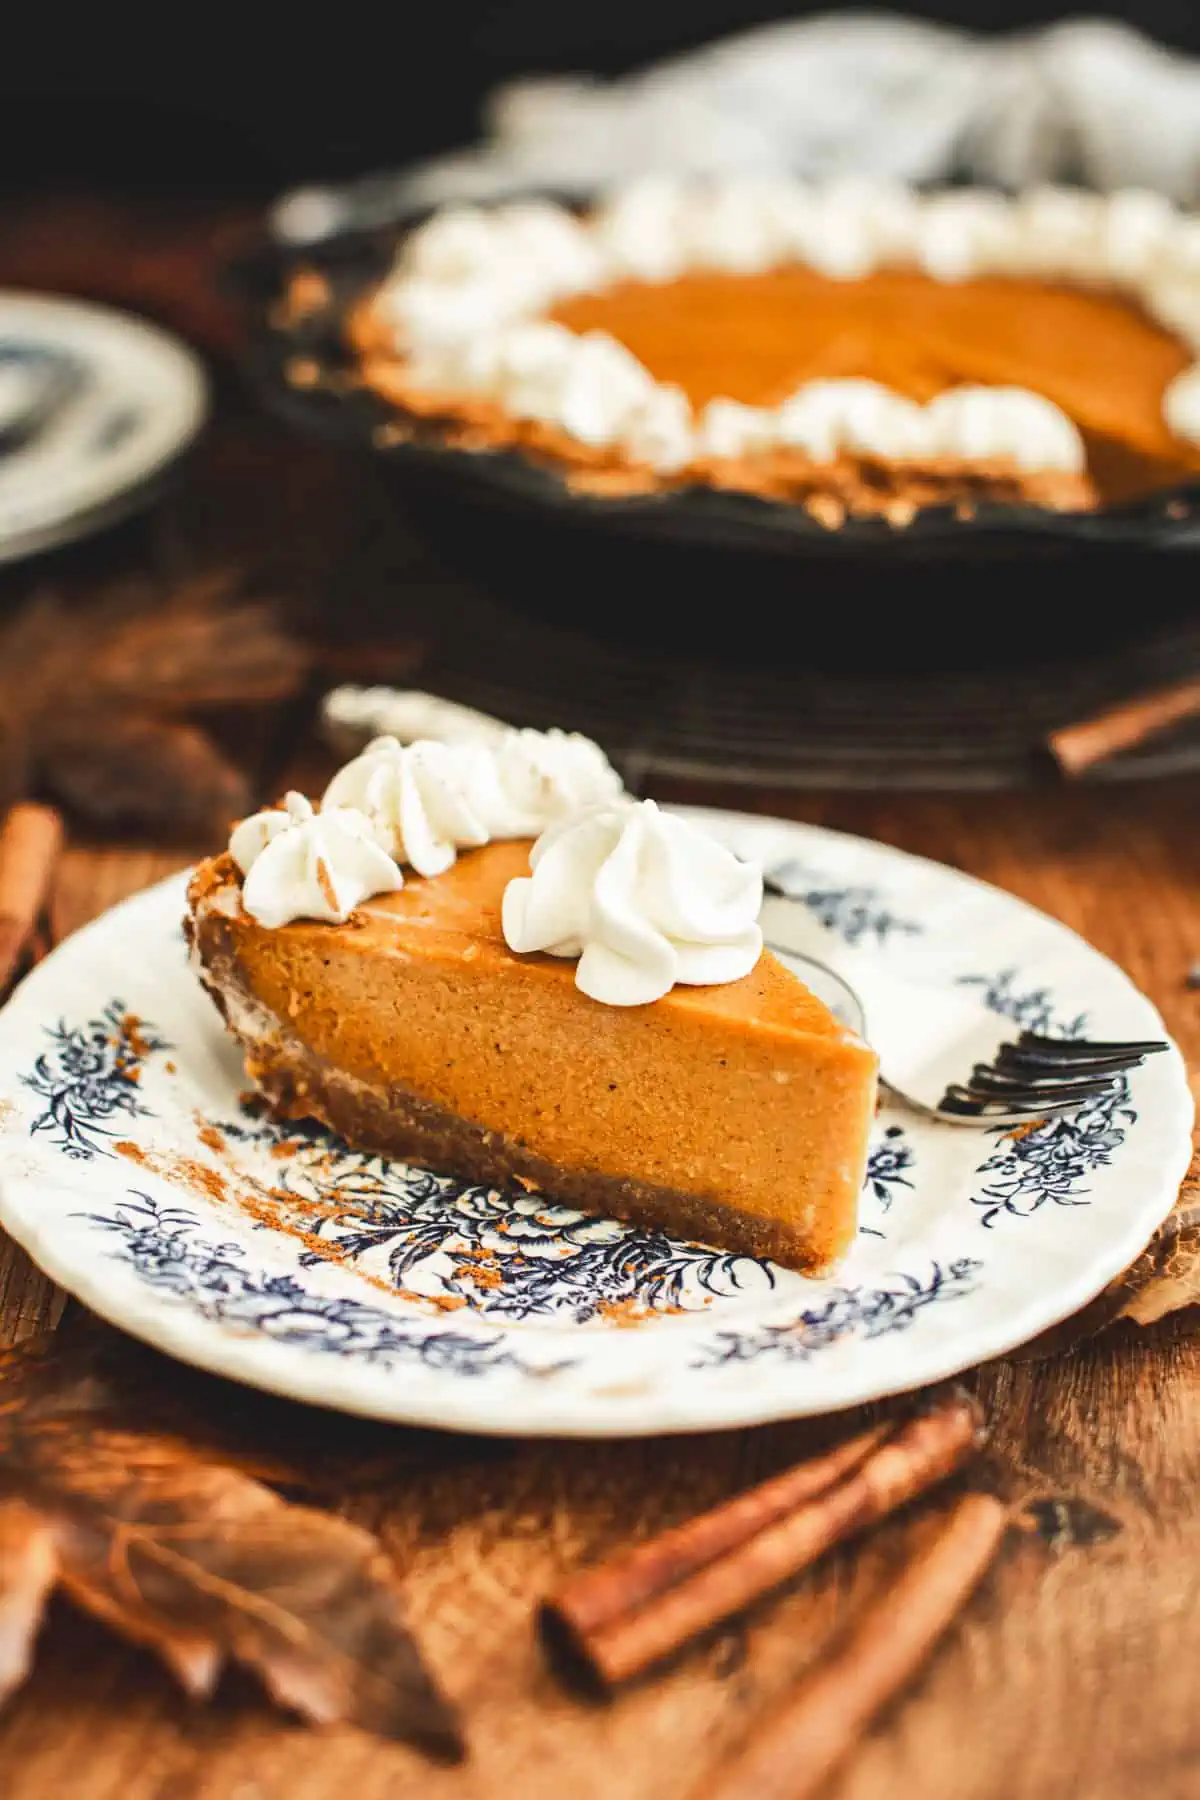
(1086, 101)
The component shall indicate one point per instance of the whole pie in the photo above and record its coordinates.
(854, 349)
(590, 1015)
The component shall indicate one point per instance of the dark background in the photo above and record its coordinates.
(218, 100)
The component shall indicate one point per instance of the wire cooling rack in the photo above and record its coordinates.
(779, 721)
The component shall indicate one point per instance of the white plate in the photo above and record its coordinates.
(134, 1176)
(140, 399)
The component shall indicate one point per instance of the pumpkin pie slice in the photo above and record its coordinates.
(737, 1114)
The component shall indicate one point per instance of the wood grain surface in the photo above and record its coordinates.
(1072, 1672)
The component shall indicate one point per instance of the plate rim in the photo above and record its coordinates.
(107, 500)
(105, 1288)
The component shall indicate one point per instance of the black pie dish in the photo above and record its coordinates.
(621, 564)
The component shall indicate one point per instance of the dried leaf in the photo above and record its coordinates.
(38, 649)
(1163, 1279)
(91, 698)
(193, 1557)
(34, 667)
(133, 770)
(1166, 1276)
(108, 1378)
(198, 650)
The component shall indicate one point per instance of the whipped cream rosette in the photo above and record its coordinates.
(643, 899)
(429, 800)
(300, 864)
(415, 798)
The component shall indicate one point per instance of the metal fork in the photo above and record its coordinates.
(925, 1038)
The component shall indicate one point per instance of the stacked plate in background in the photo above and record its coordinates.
(96, 408)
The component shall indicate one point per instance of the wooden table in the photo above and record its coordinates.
(1072, 1679)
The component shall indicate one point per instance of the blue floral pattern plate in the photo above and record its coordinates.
(95, 406)
(138, 1173)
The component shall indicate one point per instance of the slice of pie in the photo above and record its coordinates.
(736, 1113)
(857, 349)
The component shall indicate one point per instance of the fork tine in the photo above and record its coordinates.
(985, 1084)
(965, 1104)
(1010, 1059)
(984, 1077)
(1080, 1049)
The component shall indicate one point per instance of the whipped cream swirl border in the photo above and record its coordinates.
(463, 307)
(413, 805)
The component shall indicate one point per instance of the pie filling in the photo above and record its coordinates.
(868, 353)
(391, 1120)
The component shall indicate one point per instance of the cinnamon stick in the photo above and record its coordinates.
(599, 1596)
(31, 839)
(807, 1738)
(1079, 747)
(620, 1624)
